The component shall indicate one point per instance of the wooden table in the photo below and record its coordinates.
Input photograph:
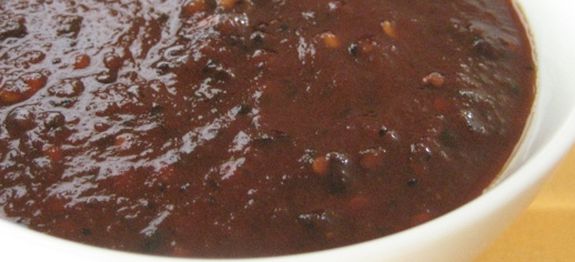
(546, 231)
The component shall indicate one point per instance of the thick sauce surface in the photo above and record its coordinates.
(251, 128)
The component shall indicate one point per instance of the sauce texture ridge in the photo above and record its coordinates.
(246, 128)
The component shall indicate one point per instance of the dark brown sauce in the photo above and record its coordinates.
(252, 128)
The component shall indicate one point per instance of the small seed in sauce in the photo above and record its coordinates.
(389, 29)
(372, 160)
(434, 79)
(330, 40)
(320, 165)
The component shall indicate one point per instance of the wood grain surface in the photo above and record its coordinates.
(546, 231)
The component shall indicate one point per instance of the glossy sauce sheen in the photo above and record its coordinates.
(253, 128)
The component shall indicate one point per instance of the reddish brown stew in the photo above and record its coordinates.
(253, 128)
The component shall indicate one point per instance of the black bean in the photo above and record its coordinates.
(353, 49)
(245, 109)
(340, 173)
(156, 110)
(448, 138)
(163, 67)
(270, 137)
(484, 48)
(383, 131)
(412, 182)
(257, 38)
(318, 220)
(86, 231)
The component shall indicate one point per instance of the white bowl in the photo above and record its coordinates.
(458, 236)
